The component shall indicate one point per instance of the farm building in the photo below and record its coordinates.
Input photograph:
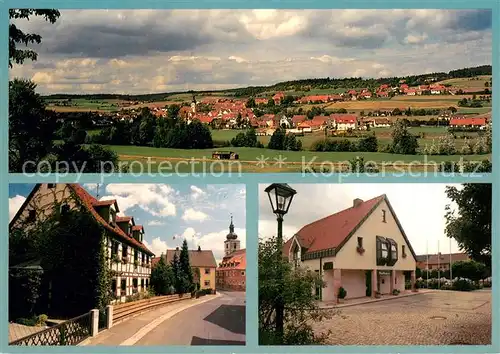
(466, 122)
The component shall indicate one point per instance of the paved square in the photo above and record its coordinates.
(436, 318)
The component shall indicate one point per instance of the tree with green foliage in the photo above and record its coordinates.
(17, 37)
(173, 111)
(79, 283)
(246, 139)
(250, 103)
(301, 309)
(368, 144)
(185, 270)
(162, 278)
(403, 142)
(470, 224)
(472, 270)
(31, 129)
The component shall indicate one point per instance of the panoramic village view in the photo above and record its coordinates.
(383, 270)
(126, 264)
(250, 90)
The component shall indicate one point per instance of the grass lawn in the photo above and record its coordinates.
(250, 155)
(467, 110)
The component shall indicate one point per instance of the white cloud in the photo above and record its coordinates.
(155, 223)
(194, 215)
(15, 204)
(182, 50)
(157, 246)
(197, 192)
(154, 199)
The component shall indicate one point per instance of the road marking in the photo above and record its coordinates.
(152, 325)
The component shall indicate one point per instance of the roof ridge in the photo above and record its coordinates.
(341, 211)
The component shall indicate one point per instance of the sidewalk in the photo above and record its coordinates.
(126, 330)
(369, 300)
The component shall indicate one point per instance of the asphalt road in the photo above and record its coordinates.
(217, 322)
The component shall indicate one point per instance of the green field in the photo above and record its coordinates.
(383, 136)
(165, 160)
(82, 104)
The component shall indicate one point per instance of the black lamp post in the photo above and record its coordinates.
(280, 197)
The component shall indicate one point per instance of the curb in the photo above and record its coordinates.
(376, 300)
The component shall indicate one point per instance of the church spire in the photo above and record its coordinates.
(231, 226)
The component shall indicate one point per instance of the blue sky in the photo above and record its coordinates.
(141, 51)
(170, 213)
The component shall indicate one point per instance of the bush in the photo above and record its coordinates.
(368, 144)
(342, 293)
(333, 145)
(463, 284)
(395, 292)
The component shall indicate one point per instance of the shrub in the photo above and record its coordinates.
(368, 144)
(342, 293)
(463, 284)
(395, 292)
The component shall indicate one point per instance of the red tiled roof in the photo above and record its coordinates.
(298, 118)
(89, 202)
(332, 231)
(344, 118)
(124, 218)
(433, 258)
(468, 121)
(238, 258)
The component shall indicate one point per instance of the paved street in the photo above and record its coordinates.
(437, 318)
(217, 322)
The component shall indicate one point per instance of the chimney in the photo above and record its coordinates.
(199, 249)
(357, 202)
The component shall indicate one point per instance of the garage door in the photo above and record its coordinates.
(353, 281)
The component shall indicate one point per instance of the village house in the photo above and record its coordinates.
(344, 121)
(440, 261)
(467, 122)
(128, 257)
(231, 273)
(278, 97)
(362, 249)
(201, 261)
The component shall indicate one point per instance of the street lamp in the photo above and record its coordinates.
(280, 197)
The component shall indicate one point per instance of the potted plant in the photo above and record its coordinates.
(136, 263)
(377, 294)
(395, 292)
(341, 295)
(116, 259)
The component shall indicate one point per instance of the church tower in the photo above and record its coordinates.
(193, 105)
(232, 243)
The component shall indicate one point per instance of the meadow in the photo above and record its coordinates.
(266, 160)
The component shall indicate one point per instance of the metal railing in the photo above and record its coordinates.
(70, 332)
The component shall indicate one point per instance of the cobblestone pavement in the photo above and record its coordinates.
(437, 318)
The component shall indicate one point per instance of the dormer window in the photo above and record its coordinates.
(112, 216)
(64, 209)
(32, 215)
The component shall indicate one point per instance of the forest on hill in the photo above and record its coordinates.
(298, 86)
